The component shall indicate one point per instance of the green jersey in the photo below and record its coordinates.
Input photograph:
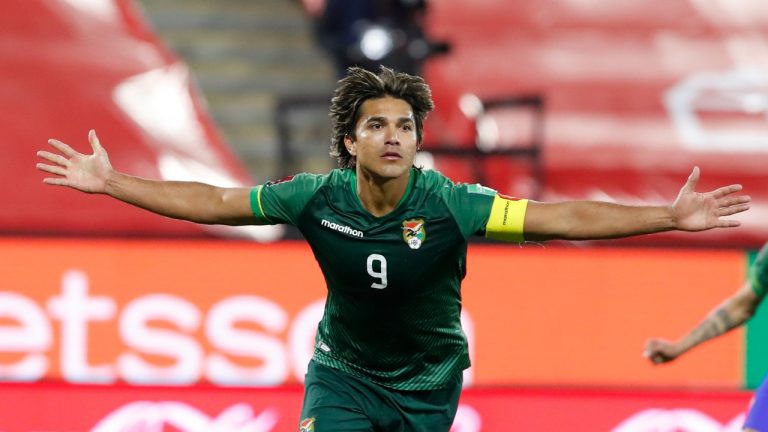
(392, 314)
(758, 274)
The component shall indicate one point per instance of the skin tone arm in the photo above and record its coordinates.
(577, 220)
(196, 202)
(732, 313)
(593, 220)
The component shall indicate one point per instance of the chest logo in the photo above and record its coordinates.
(307, 425)
(414, 233)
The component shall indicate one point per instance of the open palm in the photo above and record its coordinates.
(696, 211)
(87, 173)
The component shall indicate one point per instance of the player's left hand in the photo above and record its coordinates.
(694, 211)
(660, 351)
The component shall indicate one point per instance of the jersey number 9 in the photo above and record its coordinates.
(381, 274)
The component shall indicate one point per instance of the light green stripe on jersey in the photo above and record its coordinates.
(256, 208)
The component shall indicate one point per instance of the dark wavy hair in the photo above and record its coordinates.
(360, 85)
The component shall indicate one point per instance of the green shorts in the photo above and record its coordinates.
(335, 401)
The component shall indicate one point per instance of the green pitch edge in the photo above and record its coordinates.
(756, 356)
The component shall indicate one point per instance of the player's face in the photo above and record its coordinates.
(385, 138)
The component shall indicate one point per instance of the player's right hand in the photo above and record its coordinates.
(87, 173)
(660, 351)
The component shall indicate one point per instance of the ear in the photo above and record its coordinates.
(350, 145)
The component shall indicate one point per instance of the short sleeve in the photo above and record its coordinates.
(470, 205)
(758, 272)
(283, 201)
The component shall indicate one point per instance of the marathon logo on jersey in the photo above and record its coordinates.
(307, 425)
(342, 228)
(414, 233)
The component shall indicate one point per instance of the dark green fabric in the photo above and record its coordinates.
(393, 310)
(335, 401)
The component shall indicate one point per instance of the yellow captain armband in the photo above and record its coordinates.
(506, 219)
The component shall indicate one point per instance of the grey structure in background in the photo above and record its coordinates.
(246, 55)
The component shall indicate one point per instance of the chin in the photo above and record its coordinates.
(393, 172)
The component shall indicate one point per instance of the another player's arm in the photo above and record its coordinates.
(593, 220)
(732, 313)
(192, 201)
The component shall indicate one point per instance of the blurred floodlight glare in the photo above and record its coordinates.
(470, 105)
(159, 102)
(425, 160)
(102, 8)
(376, 43)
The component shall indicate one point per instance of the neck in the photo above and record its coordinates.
(379, 195)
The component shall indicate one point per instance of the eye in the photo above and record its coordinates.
(408, 127)
(375, 125)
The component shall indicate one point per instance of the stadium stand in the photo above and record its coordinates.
(560, 100)
(75, 65)
(633, 96)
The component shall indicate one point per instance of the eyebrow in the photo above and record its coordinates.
(381, 119)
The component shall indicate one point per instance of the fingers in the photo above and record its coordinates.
(733, 200)
(690, 185)
(726, 190)
(94, 140)
(730, 206)
(654, 356)
(650, 348)
(728, 224)
(731, 210)
(56, 181)
(55, 158)
(52, 169)
(654, 351)
(63, 148)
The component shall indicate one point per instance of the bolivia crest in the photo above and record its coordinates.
(307, 425)
(414, 233)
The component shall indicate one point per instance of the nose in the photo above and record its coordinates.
(392, 136)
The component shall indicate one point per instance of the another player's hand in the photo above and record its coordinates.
(87, 173)
(661, 351)
(695, 211)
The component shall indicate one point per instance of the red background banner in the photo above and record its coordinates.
(63, 408)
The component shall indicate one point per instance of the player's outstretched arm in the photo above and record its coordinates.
(735, 311)
(594, 220)
(192, 201)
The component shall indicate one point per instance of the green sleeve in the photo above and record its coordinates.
(758, 273)
(282, 201)
(470, 205)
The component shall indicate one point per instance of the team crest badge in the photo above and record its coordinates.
(307, 425)
(414, 233)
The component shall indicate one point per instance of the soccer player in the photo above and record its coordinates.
(733, 312)
(391, 241)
